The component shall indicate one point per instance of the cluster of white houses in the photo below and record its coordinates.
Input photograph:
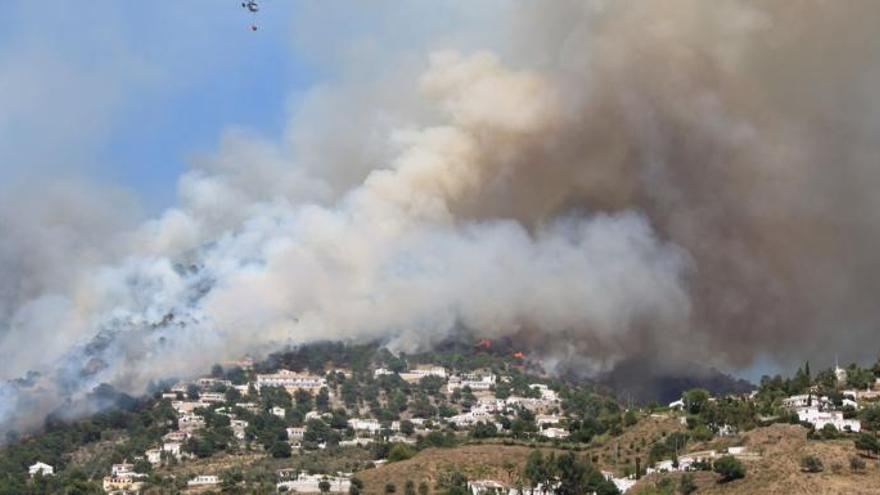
(187, 398)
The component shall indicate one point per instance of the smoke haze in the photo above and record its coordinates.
(602, 180)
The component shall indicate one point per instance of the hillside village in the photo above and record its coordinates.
(333, 418)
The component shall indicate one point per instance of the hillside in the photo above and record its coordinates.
(776, 469)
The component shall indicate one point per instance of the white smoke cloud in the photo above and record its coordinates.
(606, 180)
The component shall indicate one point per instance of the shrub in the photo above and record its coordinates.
(730, 468)
(829, 432)
(857, 464)
(400, 452)
(686, 484)
(811, 464)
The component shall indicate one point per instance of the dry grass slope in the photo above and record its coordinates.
(778, 471)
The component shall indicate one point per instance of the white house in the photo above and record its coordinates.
(212, 397)
(278, 411)
(819, 419)
(295, 433)
(172, 448)
(291, 380)
(189, 422)
(310, 483)
(622, 484)
(546, 392)
(121, 484)
(121, 469)
(360, 424)
(398, 438)
(42, 468)
(204, 480)
(555, 433)
(420, 372)
(475, 381)
(549, 419)
(176, 436)
(841, 375)
(486, 487)
(356, 442)
(154, 456)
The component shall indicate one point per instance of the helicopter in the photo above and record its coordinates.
(253, 7)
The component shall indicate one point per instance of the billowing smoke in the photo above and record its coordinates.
(669, 180)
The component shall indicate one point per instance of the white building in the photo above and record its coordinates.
(420, 372)
(212, 397)
(472, 417)
(555, 433)
(398, 438)
(295, 433)
(546, 392)
(622, 484)
(121, 469)
(42, 468)
(311, 483)
(176, 436)
(382, 372)
(291, 380)
(239, 428)
(841, 375)
(356, 442)
(190, 422)
(486, 487)
(172, 449)
(473, 380)
(542, 419)
(121, 484)
(819, 419)
(360, 424)
(278, 411)
(154, 456)
(204, 480)
(185, 406)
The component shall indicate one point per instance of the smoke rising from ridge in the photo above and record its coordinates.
(612, 180)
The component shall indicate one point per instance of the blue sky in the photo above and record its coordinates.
(125, 92)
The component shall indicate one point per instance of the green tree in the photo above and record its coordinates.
(484, 430)
(572, 475)
(424, 489)
(536, 471)
(630, 418)
(324, 486)
(407, 427)
(870, 417)
(322, 400)
(280, 450)
(730, 468)
(867, 443)
(390, 488)
(409, 488)
(695, 400)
